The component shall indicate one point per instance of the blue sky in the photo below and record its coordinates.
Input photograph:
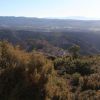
(50, 8)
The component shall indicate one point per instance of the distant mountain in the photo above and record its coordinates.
(51, 36)
(43, 24)
(79, 18)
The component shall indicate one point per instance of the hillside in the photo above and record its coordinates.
(53, 41)
(41, 59)
(28, 76)
(51, 36)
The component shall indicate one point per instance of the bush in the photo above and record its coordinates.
(75, 79)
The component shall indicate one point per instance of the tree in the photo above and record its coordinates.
(74, 50)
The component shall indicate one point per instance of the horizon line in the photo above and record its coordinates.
(63, 17)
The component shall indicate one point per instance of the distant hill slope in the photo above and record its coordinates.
(54, 43)
(52, 36)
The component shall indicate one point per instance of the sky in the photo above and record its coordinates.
(50, 8)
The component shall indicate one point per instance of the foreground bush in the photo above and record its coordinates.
(31, 76)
